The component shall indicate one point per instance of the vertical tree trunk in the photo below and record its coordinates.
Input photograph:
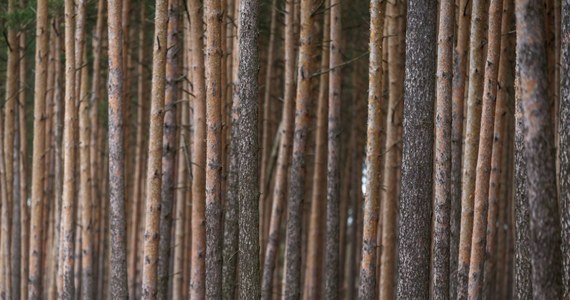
(442, 165)
(118, 255)
(497, 181)
(5, 273)
(332, 238)
(168, 149)
(248, 152)
(11, 205)
(367, 289)
(486, 137)
(213, 17)
(42, 34)
(66, 250)
(458, 98)
(417, 166)
(313, 265)
(298, 169)
(564, 131)
(473, 123)
(523, 271)
(198, 266)
(539, 152)
(154, 168)
(283, 157)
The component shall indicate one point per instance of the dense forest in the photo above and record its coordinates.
(285, 149)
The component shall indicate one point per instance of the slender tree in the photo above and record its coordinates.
(415, 201)
(198, 266)
(473, 124)
(67, 227)
(538, 152)
(442, 166)
(298, 170)
(118, 255)
(564, 131)
(42, 34)
(460, 58)
(154, 167)
(168, 149)
(367, 289)
(283, 157)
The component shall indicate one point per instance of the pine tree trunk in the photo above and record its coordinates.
(457, 107)
(35, 284)
(497, 181)
(154, 167)
(564, 131)
(473, 124)
(168, 149)
(367, 289)
(198, 265)
(313, 265)
(297, 175)
(417, 166)
(117, 220)
(539, 152)
(486, 137)
(283, 157)
(67, 247)
(442, 165)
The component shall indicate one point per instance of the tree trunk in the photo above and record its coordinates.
(283, 157)
(473, 123)
(457, 106)
(417, 166)
(539, 152)
(67, 247)
(118, 255)
(442, 165)
(198, 266)
(154, 168)
(42, 35)
(497, 181)
(367, 289)
(168, 149)
(313, 265)
(564, 131)
(298, 170)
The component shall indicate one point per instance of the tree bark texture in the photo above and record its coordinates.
(417, 167)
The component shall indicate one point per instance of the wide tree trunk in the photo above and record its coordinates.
(539, 152)
(417, 167)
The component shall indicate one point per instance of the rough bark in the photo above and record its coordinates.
(168, 149)
(5, 273)
(213, 16)
(367, 289)
(523, 271)
(458, 94)
(442, 165)
(473, 124)
(283, 157)
(564, 131)
(314, 259)
(481, 201)
(248, 272)
(118, 255)
(497, 181)
(545, 239)
(198, 251)
(154, 167)
(34, 279)
(297, 175)
(417, 166)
